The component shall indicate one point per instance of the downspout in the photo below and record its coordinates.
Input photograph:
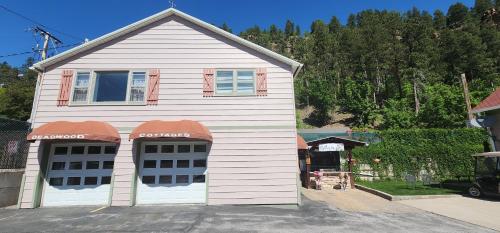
(36, 96)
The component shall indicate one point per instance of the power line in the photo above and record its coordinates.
(38, 50)
(38, 23)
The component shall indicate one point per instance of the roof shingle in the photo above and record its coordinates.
(490, 103)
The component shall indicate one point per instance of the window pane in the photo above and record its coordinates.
(224, 82)
(200, 163)
(82, 79)
(94, 150)
(108, 164)
(245, 82)
(61, 150)
(149, 164)
(148, 179)
(92, 165)
(106, 180)
(58, 165)
(151, 149)
(167, 149)
(198, 178)
(56, 181)
(111, 86)
(90, 180)
(80, 94)
(137, 86)
(110, 150)
(182, 163)
(77, 150)
(200, 148)
(183, 148)
(182, 179)
(166, 164)
(75, 166)
(81, 87)
(73, 181)
(165, 179)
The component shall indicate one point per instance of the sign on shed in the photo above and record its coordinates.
(331, 147)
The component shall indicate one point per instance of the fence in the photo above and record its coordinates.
(13, 145)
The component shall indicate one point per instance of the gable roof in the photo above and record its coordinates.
(296, 66)
(491, 102)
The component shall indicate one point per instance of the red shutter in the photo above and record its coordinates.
(153, 87)
(208, 82)
(65, 88)
(262, 82)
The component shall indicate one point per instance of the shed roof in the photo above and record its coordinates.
(492, 102)
(296, 66)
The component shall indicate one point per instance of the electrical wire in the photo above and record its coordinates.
(39, 50)
(39, 24)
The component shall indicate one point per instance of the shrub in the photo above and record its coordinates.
(446, 153)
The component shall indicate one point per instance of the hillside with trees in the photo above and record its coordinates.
(391, 70)
(382, 69)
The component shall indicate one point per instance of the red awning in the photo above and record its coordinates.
(172, 129)
(301, 143)
(86, 130)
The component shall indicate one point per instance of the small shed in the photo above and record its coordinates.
(323, 155)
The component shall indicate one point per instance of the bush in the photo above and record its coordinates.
(445, 153)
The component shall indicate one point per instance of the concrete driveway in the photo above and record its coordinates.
(312, 216)
(483, 212)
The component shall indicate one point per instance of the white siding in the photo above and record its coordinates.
(253, 159)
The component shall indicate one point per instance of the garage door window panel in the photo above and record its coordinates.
(166, 164)
(167, 149)
(90, 180)
(182, 179)
(200, 163)
(183, 148)
(94, 150)
(151, 149)
(149, 164)
(182, 163)
(75, 165)
(58, 165)
(110, 150)
(78, 150)
(92, 165)
(73, 181)
(165, 179)
(56, 181)
(61, 150)
(106, 180)
(148, 179)
(108, 164)
(199, 179)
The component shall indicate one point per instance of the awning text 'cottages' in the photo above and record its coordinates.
(172, 129)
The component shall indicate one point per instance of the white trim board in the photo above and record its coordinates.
(40, 66)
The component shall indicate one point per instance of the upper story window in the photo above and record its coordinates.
(109, 87)
(235, 82)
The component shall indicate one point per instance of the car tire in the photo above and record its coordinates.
(474, 191)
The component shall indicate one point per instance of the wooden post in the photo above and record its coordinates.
(467, 98)
(308, 170)
(349, 161)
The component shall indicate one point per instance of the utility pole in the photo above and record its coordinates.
(46, 37)
(467, 98)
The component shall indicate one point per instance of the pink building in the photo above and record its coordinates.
(169, 109)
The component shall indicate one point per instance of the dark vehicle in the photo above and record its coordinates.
(487, 173)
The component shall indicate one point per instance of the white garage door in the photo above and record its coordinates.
(79, 174)
(172, 173)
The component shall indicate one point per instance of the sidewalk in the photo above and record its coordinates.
(477, 211)
(357, 201)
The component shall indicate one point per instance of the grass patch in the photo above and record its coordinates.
(396, 187)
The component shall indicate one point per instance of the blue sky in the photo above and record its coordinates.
(93, 18)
